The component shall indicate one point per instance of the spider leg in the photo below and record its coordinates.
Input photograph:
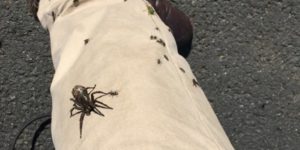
(96, 92)
(71, 111)
(75, 113)
(91, 88)
(112, 93)
(97, 112)
(72, 99)
(100, 96)
(76, 102)
(81, 123)
(103, 105)
(76, 105)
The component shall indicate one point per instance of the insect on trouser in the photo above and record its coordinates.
(123, 46)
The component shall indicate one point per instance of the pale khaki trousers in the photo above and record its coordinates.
(124, 46)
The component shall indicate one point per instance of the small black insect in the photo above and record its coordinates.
(160, 41)
(158, 61)
(166, 57)
(86, 102)
(151, 10)
(76, 3)
(53, 16)
(195, 83)
(153, 37)
(157, 28)
(182, 70)
(86, 41)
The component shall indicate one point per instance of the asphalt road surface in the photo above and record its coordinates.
(246, 56)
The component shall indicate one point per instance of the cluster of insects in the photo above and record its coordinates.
(86, 102)
(160, 41)
(153, 37)
(151, 11)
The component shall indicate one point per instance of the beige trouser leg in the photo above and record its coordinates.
(123, 46)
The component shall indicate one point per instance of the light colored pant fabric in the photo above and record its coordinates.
(158, 107)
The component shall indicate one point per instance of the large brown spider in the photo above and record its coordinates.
(86, 102)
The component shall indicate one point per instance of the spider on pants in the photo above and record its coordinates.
(86, 102)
